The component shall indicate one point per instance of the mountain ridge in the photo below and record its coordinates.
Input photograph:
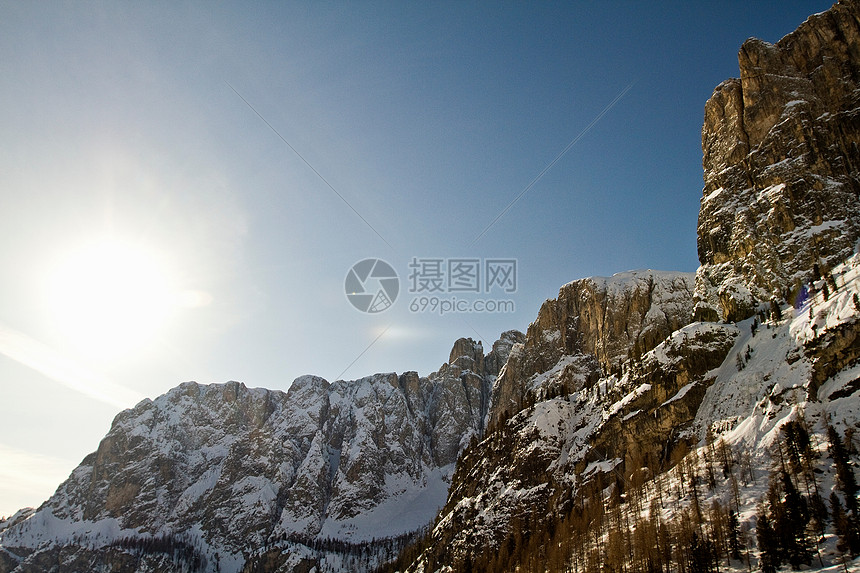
(613, 436)
(242, 468)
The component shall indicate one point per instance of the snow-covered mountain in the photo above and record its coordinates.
(781, 166)
(581, 439)
(617, 446)
(649, 421)
(231, 473)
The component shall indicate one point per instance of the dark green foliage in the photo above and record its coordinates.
(844, 472)
(702, 554)
(847, 522)
(182, 551)
(791, 528)
(768, 542)
(775, 311)
(735, 543)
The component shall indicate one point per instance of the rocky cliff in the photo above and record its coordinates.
(614, 402)
(600, 321)
(781, 164)
(579, 476)
(572, 424)
(232, 470)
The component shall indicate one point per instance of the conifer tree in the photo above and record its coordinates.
(792, 530)
(768, 543)
(848, 523)
(734, 531)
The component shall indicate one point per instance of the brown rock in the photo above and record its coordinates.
(781, 166)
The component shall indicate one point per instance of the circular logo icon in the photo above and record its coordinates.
(372, 285)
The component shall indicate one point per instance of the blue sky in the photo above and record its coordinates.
(121, 129)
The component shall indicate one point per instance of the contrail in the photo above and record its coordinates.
(318, 174)
(554, 161)
(362, 352)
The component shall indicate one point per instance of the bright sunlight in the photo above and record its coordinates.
(110, 299)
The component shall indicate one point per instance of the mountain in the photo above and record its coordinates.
(781, 167)
(646, 422)
(632, 432)
(237, 476)
(596, 323)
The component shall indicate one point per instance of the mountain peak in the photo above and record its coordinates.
(780, 167)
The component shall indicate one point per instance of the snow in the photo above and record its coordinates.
(412, 508)
(712, 195)
(632, 414)
(604, 466)
(538, 380)
(639, 391)
(771, 193)
(627, 281)
(548, 417)
(551, 335)
(679, 394)
(828, 314)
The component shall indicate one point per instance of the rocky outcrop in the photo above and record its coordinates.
(781, 166)
(603, 321)
(781, 194)
(531, 464)
(235, 469)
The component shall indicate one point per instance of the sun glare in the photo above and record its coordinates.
(110, 298)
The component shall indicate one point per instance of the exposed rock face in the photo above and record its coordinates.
(569, 431)
(602, 320)
(241, 468)
(532, 464)
(781, 166)
(582, 441)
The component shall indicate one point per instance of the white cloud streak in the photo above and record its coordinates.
(43, 359)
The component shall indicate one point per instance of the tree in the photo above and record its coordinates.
(848, 522)
(701, 554)
(768, 543)
(775, 310)
(734, 531)
(842, 524)
(844, 472)
(792, 531)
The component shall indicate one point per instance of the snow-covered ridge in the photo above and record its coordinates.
(734, 383)
(225, 470)
(826, 310)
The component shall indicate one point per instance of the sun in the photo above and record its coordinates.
(110, 298)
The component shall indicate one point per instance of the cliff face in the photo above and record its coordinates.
(581, 445)
(603, 401)
(235, 469)
(574, 429)
(601, 321)
(781, 163)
